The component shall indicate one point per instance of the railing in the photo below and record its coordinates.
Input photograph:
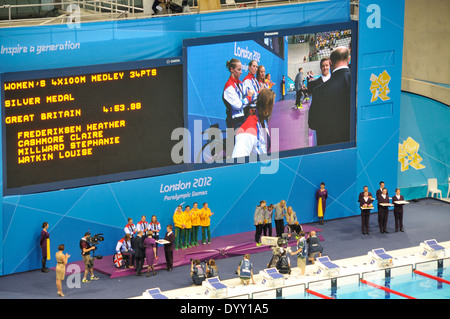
(94, 10)
(106, 10)
(97, 6)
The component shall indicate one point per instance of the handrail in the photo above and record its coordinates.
(129, 8)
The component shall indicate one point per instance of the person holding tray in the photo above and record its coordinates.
(365, 203)
(398, 201)
(383, 209)
(168, 241)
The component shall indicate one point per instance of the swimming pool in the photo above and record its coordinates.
(408, 285)
(405, 284)
(423, 280)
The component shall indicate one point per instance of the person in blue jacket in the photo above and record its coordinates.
(245, 270)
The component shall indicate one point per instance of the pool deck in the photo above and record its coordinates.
(349, 266)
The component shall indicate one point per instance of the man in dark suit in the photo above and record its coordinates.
(383, 211)
(139, 252)
(365, 199)
(329, 113)
(398, 210)
(168, 247)
(380, 190)
(378, 195)
(299, 88)
(379, 207)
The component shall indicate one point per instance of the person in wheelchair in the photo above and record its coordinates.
(123, 247)
(293, 226)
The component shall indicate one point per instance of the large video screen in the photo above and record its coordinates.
(291, 91)
(87, 125)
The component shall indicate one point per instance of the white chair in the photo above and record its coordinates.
(448, 192)
(433, 187)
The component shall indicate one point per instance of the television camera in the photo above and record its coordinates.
(94, 240)
(279, 245)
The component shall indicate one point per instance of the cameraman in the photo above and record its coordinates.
(283, 264)
(86, 249)
(198, 273)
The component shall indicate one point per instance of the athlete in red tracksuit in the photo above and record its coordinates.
(251, 83)
(253, 136)
(235, 95)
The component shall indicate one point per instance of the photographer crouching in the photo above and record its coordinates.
(87, 244)
(198, 272)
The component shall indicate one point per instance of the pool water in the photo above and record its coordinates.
(412, 284)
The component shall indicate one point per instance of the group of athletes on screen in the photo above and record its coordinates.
(249, 105)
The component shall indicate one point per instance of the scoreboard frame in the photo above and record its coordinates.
(73, 72)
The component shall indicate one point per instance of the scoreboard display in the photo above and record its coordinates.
(77, 126)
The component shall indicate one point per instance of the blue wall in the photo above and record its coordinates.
(425, 122)
(231, 191)
(380, 49)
